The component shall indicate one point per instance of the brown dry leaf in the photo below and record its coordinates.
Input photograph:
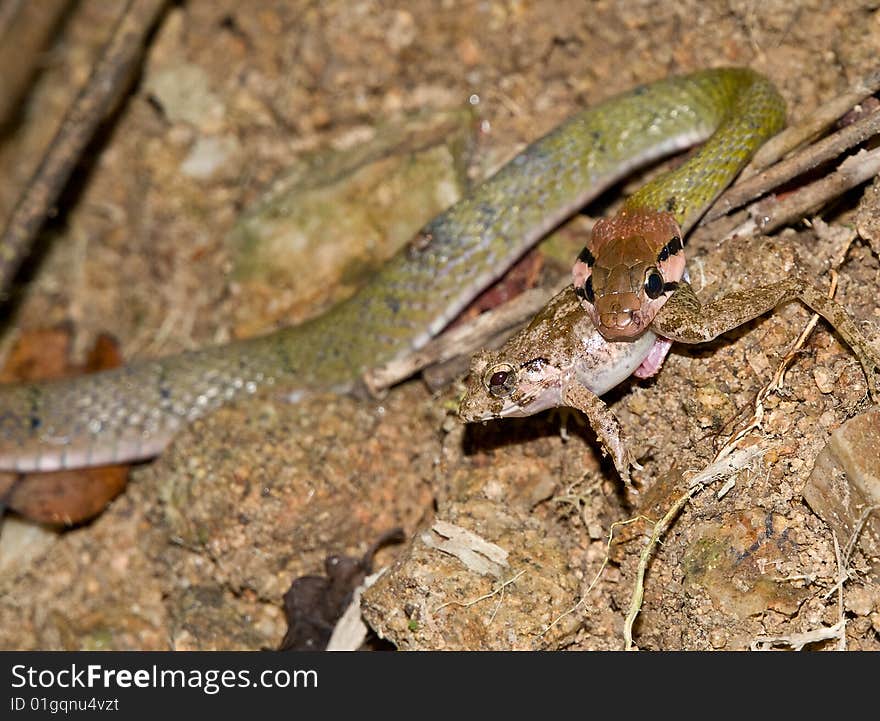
(38, 355)
(59, 497)
(66, 497)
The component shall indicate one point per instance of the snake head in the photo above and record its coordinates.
(629, 269)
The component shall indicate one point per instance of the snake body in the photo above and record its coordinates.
(132, 412)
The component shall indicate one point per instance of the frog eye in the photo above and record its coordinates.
(500, 380)
(654, 285)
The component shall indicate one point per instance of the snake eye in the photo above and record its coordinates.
(654, 283)
(500, 380)
(589, 294)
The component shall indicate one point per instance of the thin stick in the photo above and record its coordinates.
(842, 573)
(95, 101)
(812, 126)
(770, 214)
(809, 158)
(797, 641)
(853, 171)
(467, 604)
(30, 24)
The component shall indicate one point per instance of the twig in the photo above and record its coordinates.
(770, 214)
(25, 28)
(842, 574)
(854, 538)
(853, 171)
(814, 124)
(797, 641)
(95, 101)
(809, 158)
(715, 224)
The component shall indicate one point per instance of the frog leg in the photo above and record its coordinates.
(683, 318)
(605, 425)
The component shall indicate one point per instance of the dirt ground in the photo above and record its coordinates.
(199, 550)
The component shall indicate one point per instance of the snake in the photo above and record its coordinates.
(132, 412)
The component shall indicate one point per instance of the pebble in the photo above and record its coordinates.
(825, 380)
(845, 480)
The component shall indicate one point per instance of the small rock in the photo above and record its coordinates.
(468, 51)
(341, 213)
(824, 379)
(827, 419)
(778, 422)
(183, 93)
(860, 600)
(211, 155)
(22, 540)
(845, 481)
(402, 31)
(717, 638)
